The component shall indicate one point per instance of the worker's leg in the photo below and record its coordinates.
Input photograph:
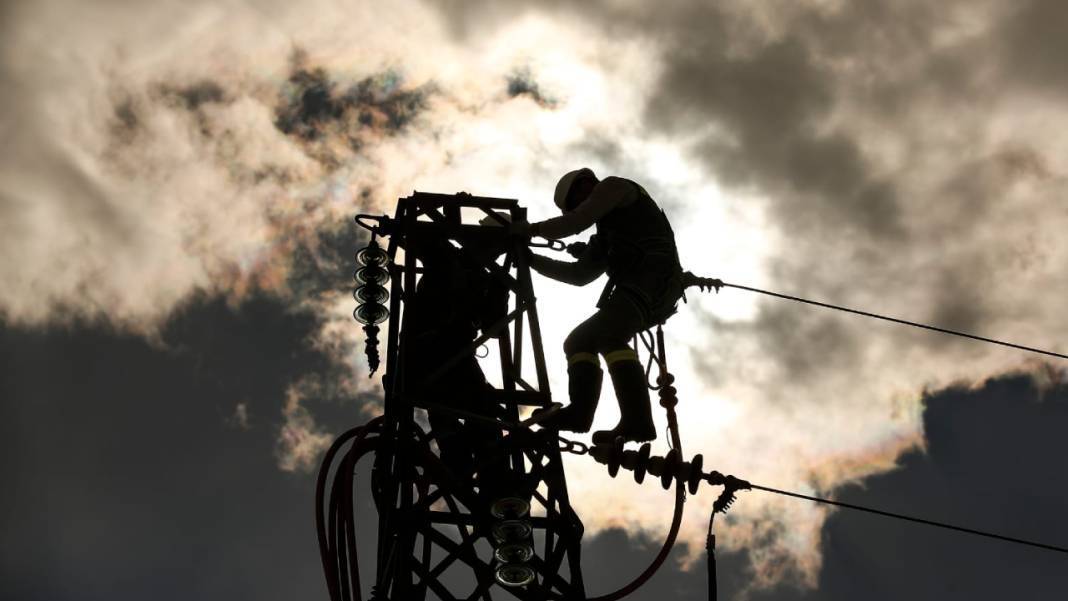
(607, 332)
(624, 316)
(635, 412)
(583, 379)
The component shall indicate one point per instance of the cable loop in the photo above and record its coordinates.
(376, 230)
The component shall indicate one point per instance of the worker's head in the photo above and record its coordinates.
(574, 188)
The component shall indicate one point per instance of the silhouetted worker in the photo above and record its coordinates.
(453, 300)
(635, 245)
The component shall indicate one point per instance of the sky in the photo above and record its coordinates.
(176, 194)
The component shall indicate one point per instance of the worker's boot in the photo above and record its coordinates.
(584, 387)
(635, 414)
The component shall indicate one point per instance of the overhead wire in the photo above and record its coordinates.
(717, 284)
(909, 518)
(893, 319)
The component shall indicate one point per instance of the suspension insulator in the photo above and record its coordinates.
(372, 254)
(371, 313)
(667, 468)
(371, 293)
(694, 479)
(668, 395)
(671, 469)
(371, 347)
(615, 457)
(642, 462)
(371, 274)
(512, 537)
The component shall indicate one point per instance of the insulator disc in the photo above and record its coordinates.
(697, 464)
(509, 508)
(513, 575)
(371, 313)
(371, 293)
(372, 254)
(514, 553)
(372, 274)
(511, 531)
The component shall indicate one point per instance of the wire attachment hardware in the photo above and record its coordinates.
(668, 468)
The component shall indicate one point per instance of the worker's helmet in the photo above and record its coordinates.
(564, 188)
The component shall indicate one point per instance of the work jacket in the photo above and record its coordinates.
(634, 244)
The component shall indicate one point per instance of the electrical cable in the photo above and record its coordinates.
(909, 518)
(893, 319)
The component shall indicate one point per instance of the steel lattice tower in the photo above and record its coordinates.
(459, 482)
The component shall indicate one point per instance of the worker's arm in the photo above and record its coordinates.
(588, 268)
(612, 192)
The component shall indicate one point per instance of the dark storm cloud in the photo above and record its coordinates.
(314, 107)
(764, 107)
(521, 83)
(129, 106)
(122, 465)
(126, 477)
(765, 104)
(125, 122)
(959, 305)
(1037, 43)
(194, 95)
(323, 264)
(993, 462)
(613, 558)
(803, 348)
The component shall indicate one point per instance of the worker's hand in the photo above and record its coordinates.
(576, 249)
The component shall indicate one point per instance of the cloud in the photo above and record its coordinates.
(1006, 427)
(521, 83)
(895, 158)
(130, 474)
(301, 441)
(312, 110)
(1034, 39)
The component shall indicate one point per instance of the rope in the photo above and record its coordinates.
(893, 319)
(900, 516)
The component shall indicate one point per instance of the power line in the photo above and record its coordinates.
(896, 320)
(909, 518)
(671, 467)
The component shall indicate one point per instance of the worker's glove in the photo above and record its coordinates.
(576, 249)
